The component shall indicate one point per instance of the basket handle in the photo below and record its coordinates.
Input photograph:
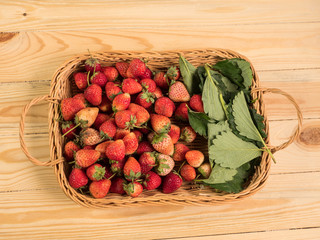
(21, 132)
(299, 115)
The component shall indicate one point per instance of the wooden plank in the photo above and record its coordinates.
(36, 55)
(288, 201)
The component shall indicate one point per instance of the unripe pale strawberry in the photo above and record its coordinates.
(205, 170)
(188, 134)
(178, 92)
(165, 164)
(195, 158)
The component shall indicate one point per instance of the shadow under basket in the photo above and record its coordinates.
(62, 86)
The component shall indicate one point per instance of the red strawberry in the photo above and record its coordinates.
(121, 102)
(111, 73)
(116, 150)
(69, 129)
(195, 158)
(178, 92)
(80, 79)
(139, 135)
(141, 114)
(101, 147)
(117, 185)
(100, 189)
(165, 164)
(160, 123)
(182, 112)
(158, 93)
(108, 173)
(188, 134)
(188, 172)
(70, 149)
(152, 181)
(171, 183)
(173, 73)
(144, 130)
(196, 103)
(89, 147)
(131, 143)
(122, 68)
(174, 133)
(69, 108)
(81, 97)
(137, 68)
(180, 151)
(205, 170)
(131, 86)
(93, 94)
(108, 129)
(144, 146)
(147, 74)
(92, 65)
(90, 137)
(131, 169)
(105, 105)
(133, 189)
(112, 90)
(161, 80)
(85, 157)
(148, 84)
(117, 166)
(77, 178)
(86, 117)
(145, 99)
(163, 143)
(147, 161)
(164, 106)
(99, 78)
(100, 119)
(121, 133)
(125, 119)
(96, 172)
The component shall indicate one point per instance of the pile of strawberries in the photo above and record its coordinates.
(120, 137)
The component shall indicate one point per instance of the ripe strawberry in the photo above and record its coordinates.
(99, 78)
(205, 170)
(111, 73)
(117, 185)
(160, 123)
(174, 133)
(165, 164)
(108, 129)
(121, 133)
(188, 172)
(125, 119)
(188, 134)
(122, 68)
(141, 114)
(131, 169)
(147, 161)
(196, 103)
(195, 158)
(108, 173)
(158, 93)
(180, 151)
(144, 146)
(69, 129)
(147, 74)
(145, 99)
(86, 117)
(161, 80)
(93, 94)
(178, 92)
(89, 147)
(101, 147)
(152, 181)
(77, 178)
(117, 166)
(100, 189)
(181, 112)
(116, 150)
(131, 143)
(70, 148)
(139, 135)
(173, 73)
(105, 105)
(112, 90)
(90, 137)
(164, 106)
(80, 79)
(96, 172)
(85, 157)
(137, 68)
(100, 119)
(131, 86)
(121, 102)
(81, 97)
(163, 143)
(148, 84)
(144, 130)
(171, 183)
(92, 65)
(133, 189)
(69, 108)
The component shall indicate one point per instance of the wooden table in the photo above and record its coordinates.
(281, 38)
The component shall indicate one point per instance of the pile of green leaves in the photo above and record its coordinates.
(235, 131)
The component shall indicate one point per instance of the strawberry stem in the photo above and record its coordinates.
(112, 176)
(181, 167)
(71, 129)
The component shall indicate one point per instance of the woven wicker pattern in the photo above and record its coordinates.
(62, 86)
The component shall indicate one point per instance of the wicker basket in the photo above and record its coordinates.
(62, 86)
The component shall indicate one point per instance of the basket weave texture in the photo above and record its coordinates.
(62, 86)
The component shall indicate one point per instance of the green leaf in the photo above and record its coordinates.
(215, 129)
(188, 74)
(230, 70)
(230, 151)
(201, 76)
(246, 71)
(258, 122)
(220, 175)
(199, 122)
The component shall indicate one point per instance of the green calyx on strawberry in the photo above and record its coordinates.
(133, 189)
(173, 73)
(96, 172)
